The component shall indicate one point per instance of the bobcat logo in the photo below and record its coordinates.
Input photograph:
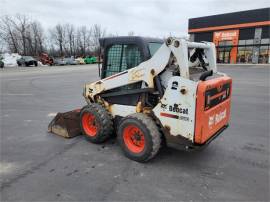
(217, 118)
(177, 109)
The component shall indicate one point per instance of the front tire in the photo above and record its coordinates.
(96, 123)
(139, 137)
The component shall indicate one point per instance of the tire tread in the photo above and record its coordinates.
(154, 132)
(105, 118)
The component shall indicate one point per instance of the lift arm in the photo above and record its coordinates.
(146, 71)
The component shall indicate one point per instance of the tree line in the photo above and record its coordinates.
(20, 34)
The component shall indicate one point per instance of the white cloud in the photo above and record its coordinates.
(147, 18)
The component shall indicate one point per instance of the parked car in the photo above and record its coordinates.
(27, 61)
(71, 61)
(80, 60)
(90, 60)
(45, 59)
(60, 61)
(2, 64)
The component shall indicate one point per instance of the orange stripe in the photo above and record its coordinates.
(251, 24)
(217, 95)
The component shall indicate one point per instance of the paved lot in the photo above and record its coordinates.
(37, 166)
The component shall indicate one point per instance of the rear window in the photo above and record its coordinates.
(153, 47)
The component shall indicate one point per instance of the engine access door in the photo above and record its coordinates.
(213, 106)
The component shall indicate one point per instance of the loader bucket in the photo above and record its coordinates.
(66, 124)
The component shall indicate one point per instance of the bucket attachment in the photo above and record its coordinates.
(66, 124)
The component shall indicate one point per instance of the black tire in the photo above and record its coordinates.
(102, 121)
(150, 132)
(35, 63)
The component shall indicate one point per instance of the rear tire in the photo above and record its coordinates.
(139, 137)
(96, 123)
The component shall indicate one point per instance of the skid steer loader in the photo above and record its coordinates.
(152, 92)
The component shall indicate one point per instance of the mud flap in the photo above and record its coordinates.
(66, 124)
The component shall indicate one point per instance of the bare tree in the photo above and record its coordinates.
(22, 35)
(58, 34)
(8, 33)
(70, 31)
(38, 38)
(22, 24)
(83, 40)
(96, 33)
(131, 33)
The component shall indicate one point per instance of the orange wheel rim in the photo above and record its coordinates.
(89, 124)
(134, 138)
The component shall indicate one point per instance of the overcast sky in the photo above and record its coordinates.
(144, 17)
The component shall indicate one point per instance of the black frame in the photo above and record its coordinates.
(141, 42)
(256, 15)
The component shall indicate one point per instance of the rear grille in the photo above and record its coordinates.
(214, 96)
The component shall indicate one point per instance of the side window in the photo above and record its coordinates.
(121, 57)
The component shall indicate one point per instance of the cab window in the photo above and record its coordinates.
(121, 57)
(153, 47)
